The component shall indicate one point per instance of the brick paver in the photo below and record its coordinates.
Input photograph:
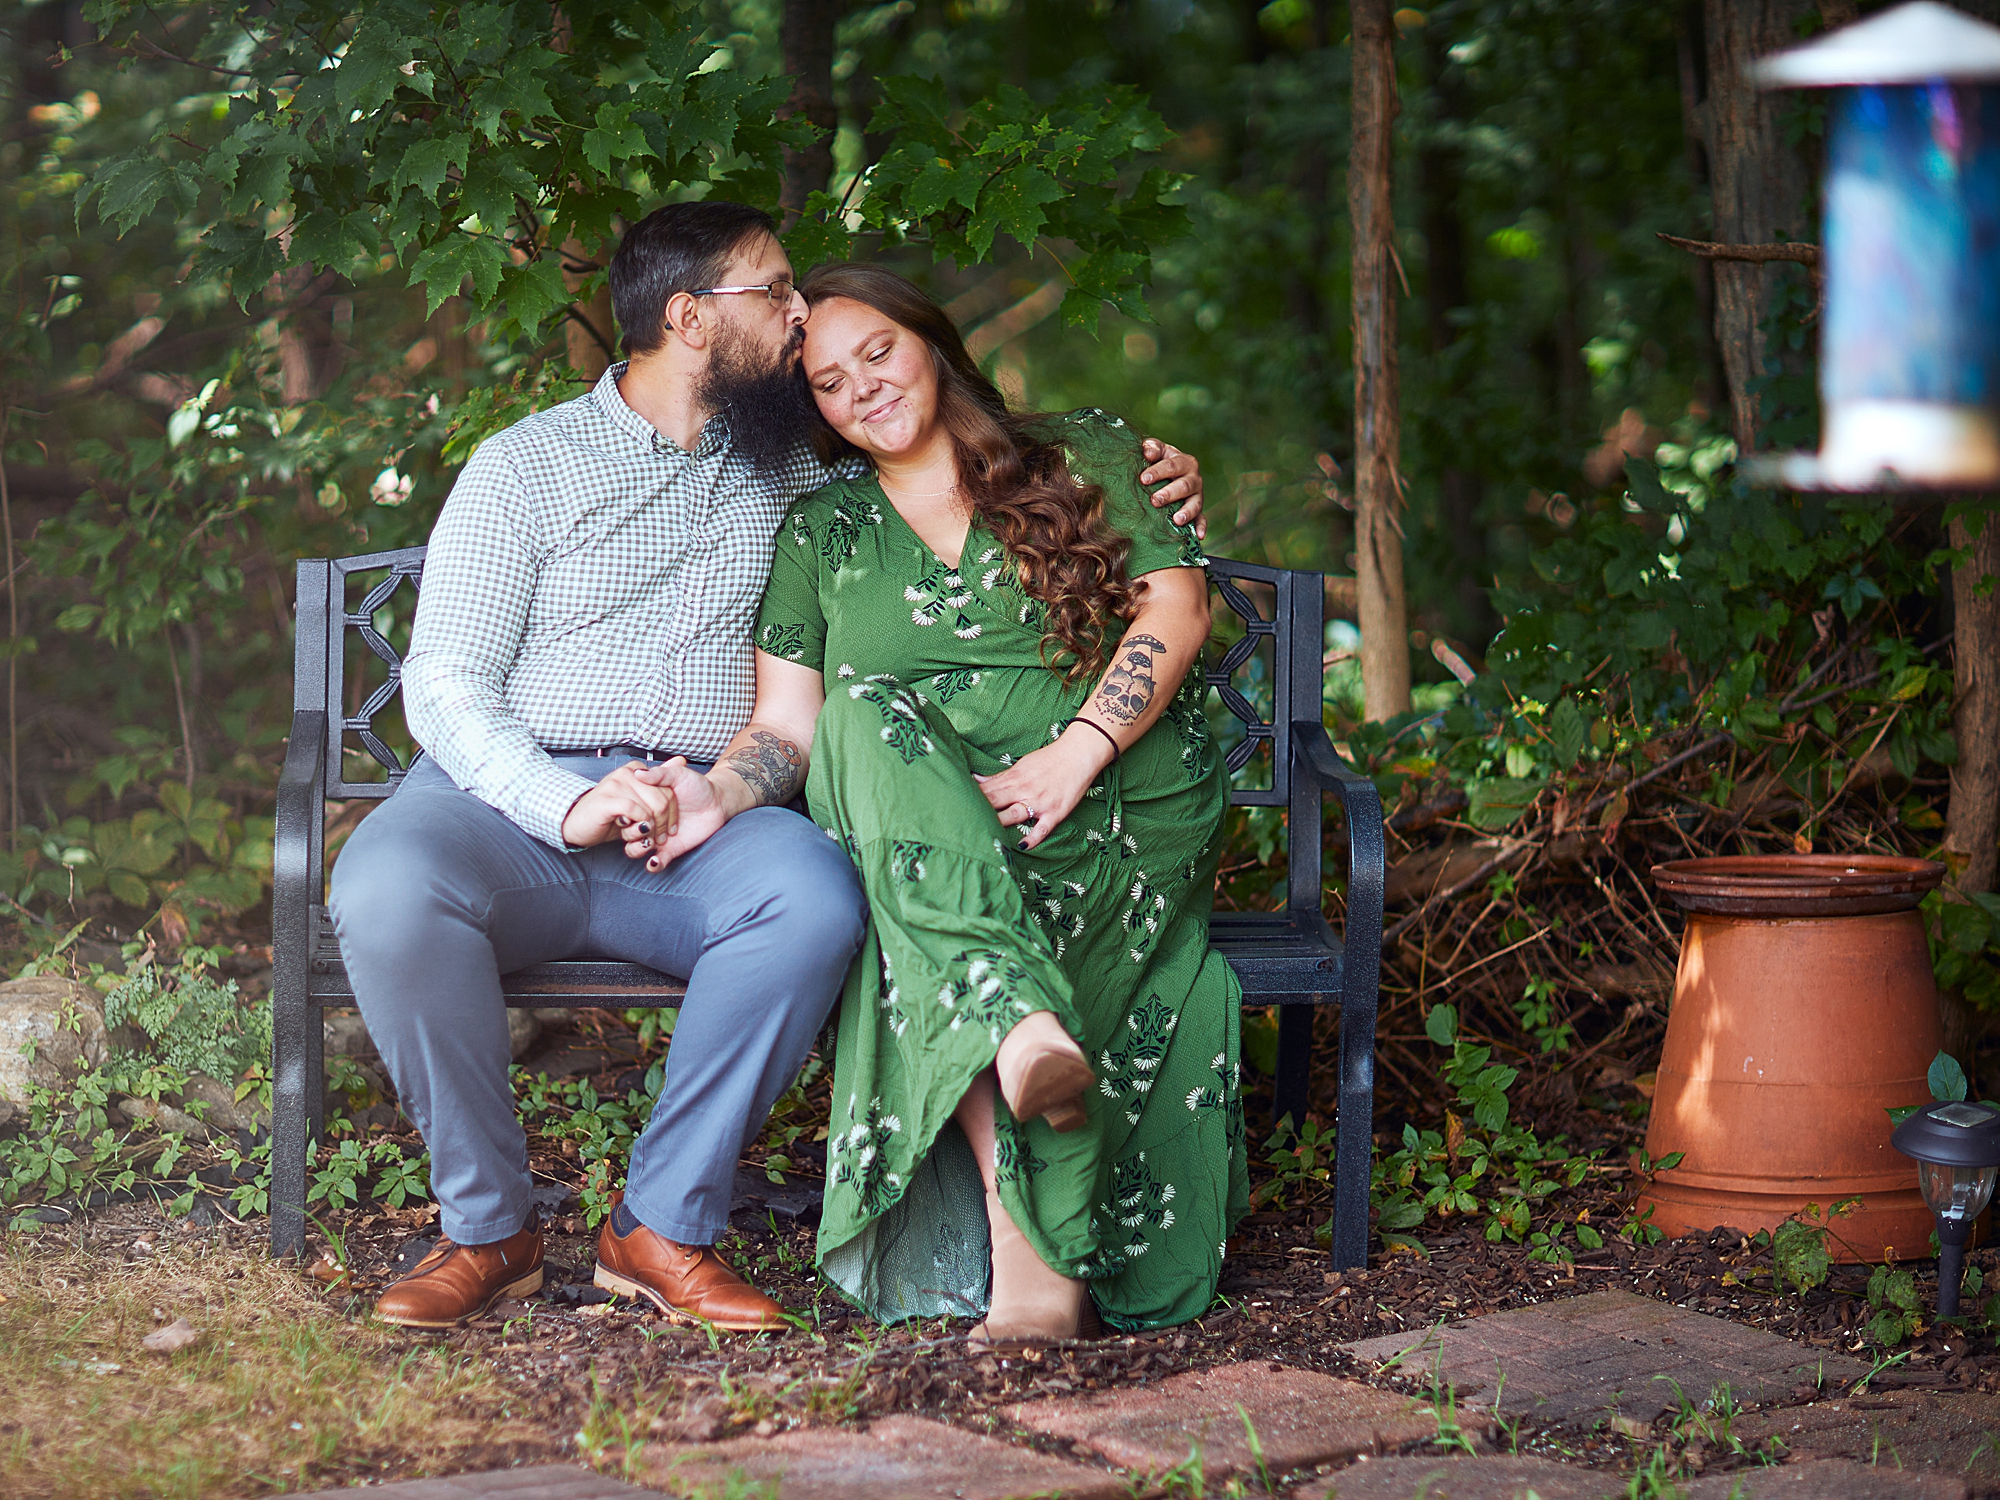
(1301, 1417)
(1583, 1357)
(899, 1458)
(1437, 1478)
(1955, 1433)
(542, 1482)
(1825, 1479)
(1421, 1478)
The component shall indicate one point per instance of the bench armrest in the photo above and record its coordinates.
(295, 876)
(1315, 757)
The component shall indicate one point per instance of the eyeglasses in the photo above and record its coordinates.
(780, 291)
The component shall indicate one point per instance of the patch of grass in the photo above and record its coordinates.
(279, 1392)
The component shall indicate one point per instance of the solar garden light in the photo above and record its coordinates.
(1957, 1151)
(1909, 367)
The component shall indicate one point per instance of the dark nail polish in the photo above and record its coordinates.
(645, 829)
(653, 865)
(1022, 846)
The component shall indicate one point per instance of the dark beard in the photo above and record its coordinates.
(769, 411)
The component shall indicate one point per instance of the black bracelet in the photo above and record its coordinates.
(1079, 719)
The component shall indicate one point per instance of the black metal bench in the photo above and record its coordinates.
(1289, 958)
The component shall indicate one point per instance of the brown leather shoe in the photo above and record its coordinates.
(455, 1282)
(686, 1283)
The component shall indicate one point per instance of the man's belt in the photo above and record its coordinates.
(628, 752)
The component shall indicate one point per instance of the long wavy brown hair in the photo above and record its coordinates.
(1017, 479)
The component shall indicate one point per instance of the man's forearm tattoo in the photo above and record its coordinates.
(1128, 687)
(772, 768)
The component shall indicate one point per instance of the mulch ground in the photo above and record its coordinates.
(619, 1374)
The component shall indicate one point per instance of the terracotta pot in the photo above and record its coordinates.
(1803, 1010)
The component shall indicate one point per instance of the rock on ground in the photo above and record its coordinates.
(225, 1111)
(62, 1020)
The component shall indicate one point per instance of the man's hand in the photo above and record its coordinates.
(1183, 473)
(699, 813)
(624, 804)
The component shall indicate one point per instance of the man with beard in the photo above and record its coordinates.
(582, 634)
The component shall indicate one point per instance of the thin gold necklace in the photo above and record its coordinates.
(913, 494)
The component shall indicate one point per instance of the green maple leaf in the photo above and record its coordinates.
(493, 180)
(129, 190)
(819, 235)
(443, 266)
(940, 184)
(370, 69)
(426, 164)
(533, 292)
(521, 91)
(1013, 201)
(614, 137)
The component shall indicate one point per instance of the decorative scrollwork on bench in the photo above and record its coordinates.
(361, 620)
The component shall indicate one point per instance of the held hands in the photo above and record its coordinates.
(1048, 782)
(1183, 473)
(658, 810)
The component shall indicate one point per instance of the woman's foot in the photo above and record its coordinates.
(1043, 1072)
(1031, 1303)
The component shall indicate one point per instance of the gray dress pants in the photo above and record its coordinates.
(436, 895)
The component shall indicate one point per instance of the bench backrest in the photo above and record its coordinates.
(1294, 668)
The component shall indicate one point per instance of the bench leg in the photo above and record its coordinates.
(1355, 1144)
(298, 1092)
(1295, 1045)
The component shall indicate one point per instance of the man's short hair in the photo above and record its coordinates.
(675, 249)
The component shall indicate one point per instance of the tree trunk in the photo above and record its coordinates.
(1972, 821)
(806, 36)
(1762, 185)
(1378, 539)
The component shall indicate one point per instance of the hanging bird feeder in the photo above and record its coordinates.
(1909, 368)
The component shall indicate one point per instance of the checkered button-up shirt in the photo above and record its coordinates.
(590, 583)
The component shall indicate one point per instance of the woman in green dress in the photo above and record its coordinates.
(986, 647)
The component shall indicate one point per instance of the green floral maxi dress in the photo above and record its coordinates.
(934, 673)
